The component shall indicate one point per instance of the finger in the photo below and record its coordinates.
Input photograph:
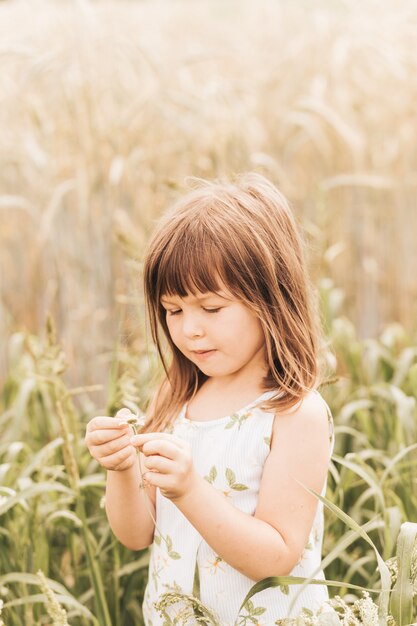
(125, 464)
(101, 437)
(141, 439)
(155, 479)
(159, 464)
(167, 449)
(114, 445)
(102, 422)
(124, 412)
(117, 460)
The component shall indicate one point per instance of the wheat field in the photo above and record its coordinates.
(107, 110)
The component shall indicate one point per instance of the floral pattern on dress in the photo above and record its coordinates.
(168, 543)
(230, 479)
(237, 419)
(253, 612)
(214, 564)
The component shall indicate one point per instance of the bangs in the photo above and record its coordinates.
(188, 264)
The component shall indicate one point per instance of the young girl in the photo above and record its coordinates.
(237, 426)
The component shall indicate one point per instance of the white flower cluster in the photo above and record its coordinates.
(336, 612)
(362, 612)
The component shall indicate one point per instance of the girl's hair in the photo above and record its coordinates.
(244, 233)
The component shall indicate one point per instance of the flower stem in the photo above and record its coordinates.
(142, 486)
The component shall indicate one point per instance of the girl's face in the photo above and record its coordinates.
(218, 333)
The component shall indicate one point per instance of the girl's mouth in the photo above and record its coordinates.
(205, 353)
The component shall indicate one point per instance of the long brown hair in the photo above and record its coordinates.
(244, 233)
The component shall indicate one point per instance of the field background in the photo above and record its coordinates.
(106, 110)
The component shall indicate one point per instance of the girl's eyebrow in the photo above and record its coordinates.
(199, 298)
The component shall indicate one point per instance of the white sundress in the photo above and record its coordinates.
(230, 453)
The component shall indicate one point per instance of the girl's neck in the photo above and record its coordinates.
(236, 388)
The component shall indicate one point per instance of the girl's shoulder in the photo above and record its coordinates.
(312, 412)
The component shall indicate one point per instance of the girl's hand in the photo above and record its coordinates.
(107, 439)
(168, 463)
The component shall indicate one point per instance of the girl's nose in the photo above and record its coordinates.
(191, 326)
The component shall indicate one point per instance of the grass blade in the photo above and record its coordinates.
(383, 569)
(401, 604)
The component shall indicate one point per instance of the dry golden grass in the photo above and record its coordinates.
(105, 108)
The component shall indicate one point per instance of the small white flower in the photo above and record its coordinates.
(137, 421)
(368, 610)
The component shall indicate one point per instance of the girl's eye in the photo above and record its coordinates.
(207, 311)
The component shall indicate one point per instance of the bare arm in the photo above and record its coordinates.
(126, 507)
